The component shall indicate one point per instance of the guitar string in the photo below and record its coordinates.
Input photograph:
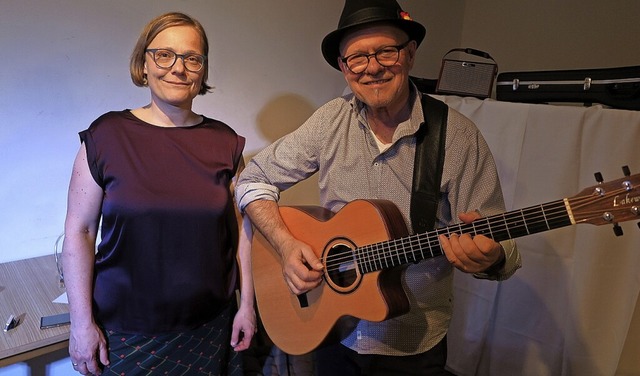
(551, 217)
(392, 249)
(491, 226)
(372, 251)
(369, 254)
(388, 258)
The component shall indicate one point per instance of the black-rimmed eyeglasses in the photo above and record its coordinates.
(386, 57)
(166, 59)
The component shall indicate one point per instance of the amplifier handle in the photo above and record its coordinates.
(472, 51)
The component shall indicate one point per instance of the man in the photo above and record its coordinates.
(363, 145)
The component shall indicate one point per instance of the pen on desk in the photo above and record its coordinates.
(12, 322)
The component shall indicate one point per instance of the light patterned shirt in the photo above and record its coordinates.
(336, 142)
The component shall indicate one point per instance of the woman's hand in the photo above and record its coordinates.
(88, 349)
(244, 327)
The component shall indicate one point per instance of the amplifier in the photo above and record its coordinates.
(467, 76)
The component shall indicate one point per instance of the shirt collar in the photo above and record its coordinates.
(407, 128)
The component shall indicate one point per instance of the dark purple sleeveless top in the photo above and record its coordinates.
(167, 258)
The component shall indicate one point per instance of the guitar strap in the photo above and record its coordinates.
(427, 168)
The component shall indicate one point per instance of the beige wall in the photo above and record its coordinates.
(66, 63)
(554, 34)
(531, 35)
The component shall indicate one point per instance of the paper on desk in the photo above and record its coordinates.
(62, 299)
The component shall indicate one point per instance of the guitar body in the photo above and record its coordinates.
(297, 325)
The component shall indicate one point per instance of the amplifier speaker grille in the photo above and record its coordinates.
(466, 78)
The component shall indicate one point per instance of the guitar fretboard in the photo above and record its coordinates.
(417, 247)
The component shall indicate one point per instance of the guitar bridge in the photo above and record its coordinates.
(302, 299)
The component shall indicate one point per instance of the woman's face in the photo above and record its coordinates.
(175, 86)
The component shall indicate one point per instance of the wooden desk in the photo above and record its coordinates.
(27, 289)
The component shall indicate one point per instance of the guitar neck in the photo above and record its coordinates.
(418, 247)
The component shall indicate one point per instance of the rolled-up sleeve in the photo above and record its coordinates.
(246, 193)
(511, 264)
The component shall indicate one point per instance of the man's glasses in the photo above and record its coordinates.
(166, 59)
(386, 56)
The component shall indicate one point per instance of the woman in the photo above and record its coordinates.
(159, 294)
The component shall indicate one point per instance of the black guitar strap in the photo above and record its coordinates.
(429, 160)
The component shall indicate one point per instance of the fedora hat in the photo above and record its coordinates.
(358, 13)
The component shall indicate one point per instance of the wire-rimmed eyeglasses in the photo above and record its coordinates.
(385, 56)
(165, 59)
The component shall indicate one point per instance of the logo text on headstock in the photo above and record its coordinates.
(625, 200)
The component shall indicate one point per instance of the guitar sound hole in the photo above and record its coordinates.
(341, 266)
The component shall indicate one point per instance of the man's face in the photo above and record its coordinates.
(378, 86)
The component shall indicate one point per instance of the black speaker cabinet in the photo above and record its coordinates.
(467, 77)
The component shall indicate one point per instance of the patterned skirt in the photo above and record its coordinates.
(202, 351)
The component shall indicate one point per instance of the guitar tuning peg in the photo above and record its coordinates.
(617, 230)
(626, 171)
(598, 177)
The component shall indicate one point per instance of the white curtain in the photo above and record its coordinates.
(571, 309)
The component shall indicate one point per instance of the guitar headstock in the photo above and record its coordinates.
(608, 202)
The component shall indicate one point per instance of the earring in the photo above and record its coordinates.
(144, 80)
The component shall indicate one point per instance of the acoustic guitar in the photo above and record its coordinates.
(364, 245)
